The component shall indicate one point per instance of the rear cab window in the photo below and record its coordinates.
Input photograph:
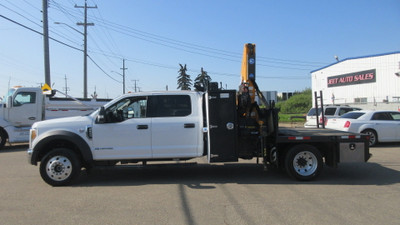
(330, 111)
(170, 106)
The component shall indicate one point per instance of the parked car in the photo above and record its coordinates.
(382, 126)
(330, 111)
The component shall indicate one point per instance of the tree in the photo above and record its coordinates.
(202, 80)
(298, 103)
(184, 82)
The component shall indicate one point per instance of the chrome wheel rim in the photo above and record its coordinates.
(372, 137)
(59, 168)
(305, 163)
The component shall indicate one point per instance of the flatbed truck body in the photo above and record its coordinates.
(223, 125)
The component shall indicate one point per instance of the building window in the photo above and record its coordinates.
(360, 100)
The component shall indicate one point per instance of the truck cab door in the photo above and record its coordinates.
(126, 131)
(176, 126)
(25, 109)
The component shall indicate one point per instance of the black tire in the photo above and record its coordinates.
(373, 137)
(3, 138)
(303, 162)
(60, 167)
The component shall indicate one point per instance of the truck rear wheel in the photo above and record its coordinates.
(60, 167)
(303, 162)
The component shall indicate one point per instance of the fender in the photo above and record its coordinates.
(365, 127)
(77, 140)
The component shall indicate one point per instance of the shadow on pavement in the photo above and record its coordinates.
(14, 148)
(205, 176)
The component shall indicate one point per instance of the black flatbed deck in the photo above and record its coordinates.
(316, 135)
(285, 131)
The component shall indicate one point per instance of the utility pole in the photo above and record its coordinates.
(46, 43)
(85, 24)
(66, 88)
(135, 84)
(123, 76)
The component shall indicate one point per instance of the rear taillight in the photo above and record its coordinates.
(347, 124)
(321, 121)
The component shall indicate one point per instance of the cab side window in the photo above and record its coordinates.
(170, 106)
(24, 98)
(127, 108)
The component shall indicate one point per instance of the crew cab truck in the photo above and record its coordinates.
(222, 125)
(24, 106)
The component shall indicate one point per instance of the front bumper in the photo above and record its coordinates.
(31, 157)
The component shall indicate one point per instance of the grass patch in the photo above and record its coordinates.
(289, 117)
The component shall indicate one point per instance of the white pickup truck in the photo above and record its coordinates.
(154, 126)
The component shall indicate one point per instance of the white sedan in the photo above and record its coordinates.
(382, 126)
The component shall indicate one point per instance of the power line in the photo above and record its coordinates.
(144, 62)
(102, 69)
(198, 49)
(20, 13)
(60, 42)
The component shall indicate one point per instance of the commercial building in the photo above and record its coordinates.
(368, 82)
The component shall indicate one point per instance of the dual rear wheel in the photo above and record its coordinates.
(303, 162)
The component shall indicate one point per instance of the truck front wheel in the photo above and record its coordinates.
(303, 162)
(60, 167)
(3, 138)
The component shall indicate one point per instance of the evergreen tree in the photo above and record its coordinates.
(184, 82)
(203, 79)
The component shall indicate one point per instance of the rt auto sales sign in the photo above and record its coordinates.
(368, 76)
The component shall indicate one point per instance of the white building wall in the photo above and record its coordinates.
(386, 87)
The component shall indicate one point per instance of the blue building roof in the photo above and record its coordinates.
(359, 57)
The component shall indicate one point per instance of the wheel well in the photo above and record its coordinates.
(2, 130)
(59, 143)
(323, 148)
(371, 129)
(62, 139)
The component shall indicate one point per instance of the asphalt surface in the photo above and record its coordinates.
(240, 193)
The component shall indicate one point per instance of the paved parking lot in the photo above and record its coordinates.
(361, 193)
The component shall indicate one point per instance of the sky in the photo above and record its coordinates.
(292, 39)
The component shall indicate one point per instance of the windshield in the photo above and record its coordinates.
(92, 114)
(10, 93)
(352, 115)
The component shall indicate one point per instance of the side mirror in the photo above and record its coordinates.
(101, 116)
(9, 102)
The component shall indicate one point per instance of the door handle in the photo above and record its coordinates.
(32, 118)
(213, 126)
(189, 125)
(142, 127)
